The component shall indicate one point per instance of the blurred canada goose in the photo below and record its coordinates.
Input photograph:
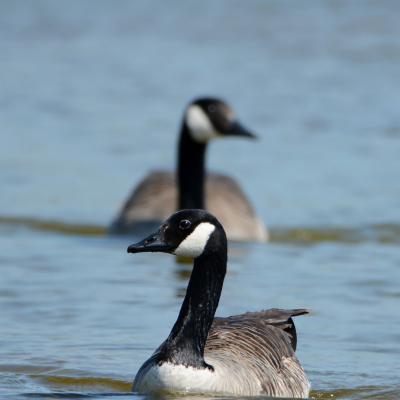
(161, 193)
(245, 355)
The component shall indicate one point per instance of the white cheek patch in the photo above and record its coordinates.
(195, 243)
(200, 126)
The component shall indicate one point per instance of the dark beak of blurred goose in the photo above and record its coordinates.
(237, 129)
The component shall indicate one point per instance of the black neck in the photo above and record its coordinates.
(191, 158)
(185, 344)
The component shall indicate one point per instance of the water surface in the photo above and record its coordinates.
(92, 96)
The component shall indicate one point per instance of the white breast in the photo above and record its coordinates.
(175, 378)
(178, 378)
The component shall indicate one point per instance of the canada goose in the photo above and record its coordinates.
(161, 193)
(245, 355)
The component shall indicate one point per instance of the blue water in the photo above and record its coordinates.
(91, 100)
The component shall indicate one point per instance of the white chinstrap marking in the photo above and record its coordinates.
(195, 243)
(200, 126)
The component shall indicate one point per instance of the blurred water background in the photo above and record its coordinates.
(91, 99)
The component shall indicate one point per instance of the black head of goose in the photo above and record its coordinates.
(248, 355)
(161, 193)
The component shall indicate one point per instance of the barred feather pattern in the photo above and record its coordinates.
(256, 357)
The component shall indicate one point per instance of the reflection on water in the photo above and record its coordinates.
(381, 233)
(53, 226)
(369, 392)
(84, 384)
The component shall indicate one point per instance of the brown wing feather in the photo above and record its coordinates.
(260, 342)
(276, 317)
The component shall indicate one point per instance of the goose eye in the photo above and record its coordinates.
(184, 224)
(212, 108)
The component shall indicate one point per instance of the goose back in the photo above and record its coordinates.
(155, 198)
(257, 351)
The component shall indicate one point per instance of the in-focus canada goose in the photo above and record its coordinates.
(245, 355)
(161, 193)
